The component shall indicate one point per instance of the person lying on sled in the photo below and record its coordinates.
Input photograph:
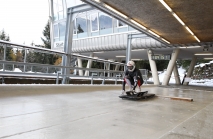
(132, 78)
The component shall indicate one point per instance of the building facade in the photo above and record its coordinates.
(87, 24)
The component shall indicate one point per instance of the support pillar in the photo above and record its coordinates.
(80, 72)
(153, 69)
(129, 48)
(176, 74)
(89, 65)
(72, 12)
(51, 22)
(191, 68)
(117, 66)
(170, 67)
(108, 67)
(67, 48)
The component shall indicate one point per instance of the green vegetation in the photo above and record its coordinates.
(15, 54)
(9, 50)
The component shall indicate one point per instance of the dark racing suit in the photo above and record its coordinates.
(134, 77)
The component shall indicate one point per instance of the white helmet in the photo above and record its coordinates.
(131, 66)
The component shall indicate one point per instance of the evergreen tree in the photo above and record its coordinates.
(80, 30)
(161, 64)
(48, 58)
(5, 37)
(142, 64)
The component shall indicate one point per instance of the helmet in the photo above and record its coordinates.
(131, 66)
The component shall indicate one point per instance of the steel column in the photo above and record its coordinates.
(71, 15)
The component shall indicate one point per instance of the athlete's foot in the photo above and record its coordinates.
(123, 92)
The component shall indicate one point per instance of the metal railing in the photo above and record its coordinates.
(144, 73)
(50, 71)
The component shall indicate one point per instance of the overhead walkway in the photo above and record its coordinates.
(94, 112)
(115, 42)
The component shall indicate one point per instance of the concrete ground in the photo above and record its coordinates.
(96, 112)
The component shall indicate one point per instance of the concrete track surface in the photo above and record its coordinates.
(96, 112)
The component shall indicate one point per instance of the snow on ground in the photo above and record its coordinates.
(203, 82)
(172, 79)
(17, 70)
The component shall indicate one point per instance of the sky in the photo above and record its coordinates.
(24, 20)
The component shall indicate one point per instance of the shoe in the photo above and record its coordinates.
(130, 90)
(123, 92)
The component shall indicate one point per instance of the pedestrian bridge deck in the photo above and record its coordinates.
(96, 112)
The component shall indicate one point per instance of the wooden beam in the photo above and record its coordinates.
(177, 98)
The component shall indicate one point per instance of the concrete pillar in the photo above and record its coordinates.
(89, 65)
(191, 68)
(117, 66)
(170, 67)
(176, 74)
(80, 72)
(108, 66)
(153, 68)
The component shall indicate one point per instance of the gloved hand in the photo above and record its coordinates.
(127, 77)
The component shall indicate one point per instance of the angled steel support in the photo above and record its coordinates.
(71, 15)
(102, 7)
(129, 40)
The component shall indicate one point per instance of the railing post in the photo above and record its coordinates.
(2, 80)
(116, 80)
(57, 79)
(25, 57)
(92, 79)
(4, 57)
(104, 73)
(103, 80)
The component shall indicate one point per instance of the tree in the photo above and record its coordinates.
(34, 56)
(162, 64)
(142, 64)
(48, 58)
(80, 30)
(19, 57)
(5, 37)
